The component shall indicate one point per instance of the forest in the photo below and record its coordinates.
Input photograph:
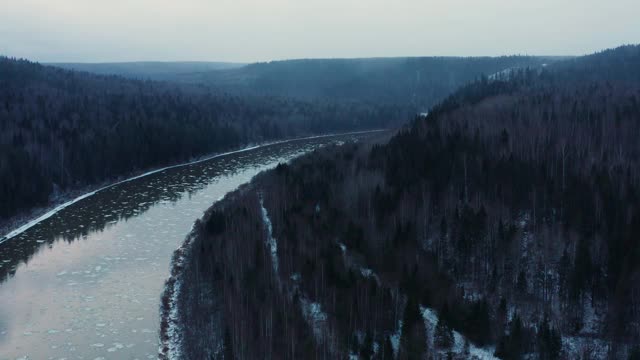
(504, 224)
(417, 82)
(62, 130)
(150, 70)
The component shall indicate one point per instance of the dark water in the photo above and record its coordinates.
(86, 282)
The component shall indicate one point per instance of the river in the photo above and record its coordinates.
(86, 282)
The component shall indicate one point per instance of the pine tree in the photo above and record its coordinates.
(413, 342)
(366, 352)
(228, 345)
(521, 284)
(478, 324)
(443, 332)
(501, 316)
(466, 350)
(581, 269)
(549, 341)
(563, 272)
(511, 346)
(387, 350)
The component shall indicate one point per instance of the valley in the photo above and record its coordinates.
(86, 282)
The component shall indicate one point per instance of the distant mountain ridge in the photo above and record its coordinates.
(61, 130)
(149, 70)
(419, 82)
(616, 64)
(54, 119)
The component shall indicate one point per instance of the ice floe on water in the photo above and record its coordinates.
(115, 347)
(114, 258)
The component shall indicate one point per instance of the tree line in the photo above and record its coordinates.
(61, 130)
(511, 211)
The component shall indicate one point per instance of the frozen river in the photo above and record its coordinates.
(86, 282)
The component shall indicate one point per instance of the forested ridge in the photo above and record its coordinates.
(61, 130)
(509, 217)
(149, 70)
(418, 82)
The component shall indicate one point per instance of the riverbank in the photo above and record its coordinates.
(87, 281)
(22, 222)
(199, 306)
(171, 321)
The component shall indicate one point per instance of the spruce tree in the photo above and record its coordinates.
(549, 341)
(228, 345)
(387, 349)
(366, 352)
(443, 333)
(413, 343)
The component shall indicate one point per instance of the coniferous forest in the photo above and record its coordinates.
(505, 223)
(319, 180)
(410, 81)
(63, 130)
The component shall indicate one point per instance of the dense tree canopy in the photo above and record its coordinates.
(61, 129)
(511, 210)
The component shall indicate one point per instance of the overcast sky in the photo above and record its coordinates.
(260, 30)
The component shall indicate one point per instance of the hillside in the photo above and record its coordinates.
(508, 217)
(72, 129)
(61, 130)
(149, 70)
(417, 83)
(613, 65)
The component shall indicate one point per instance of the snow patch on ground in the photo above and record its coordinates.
(503, 74)
(171, 335)
(395, 339)
(430, 318)
(47, 215)
(523, 220)
(367, 272)
(577, 346)
(592, 320)
(174, 331)
(249, 147)
(272, 243)
(315, 317)
(349, 262)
